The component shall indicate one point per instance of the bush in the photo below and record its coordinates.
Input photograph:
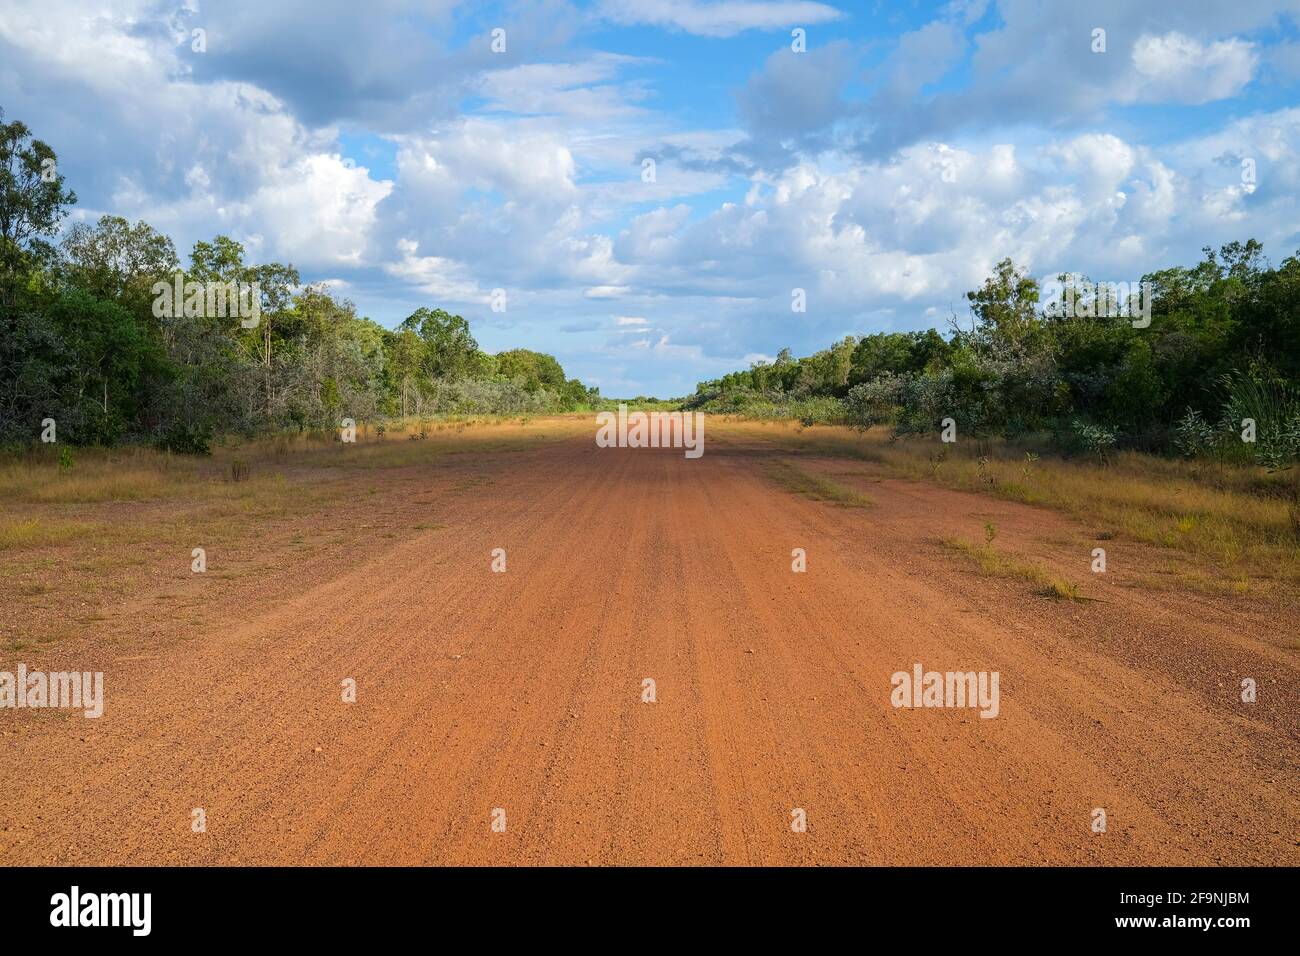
(873, 402)
(183, 438)
(466, 396)
(1194, 436)
(1095, 440)
(1275, 410)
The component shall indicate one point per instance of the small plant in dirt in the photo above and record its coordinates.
(1065, 590)
(239, 470)
(992, 562)
(65, 459)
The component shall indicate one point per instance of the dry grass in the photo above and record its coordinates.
(252, 470)
(98, 475)
(74, 540)
(40, 532)
(1241, 520)
(403, 443)
(145, 496)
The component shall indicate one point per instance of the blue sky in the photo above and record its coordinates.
(387, 150)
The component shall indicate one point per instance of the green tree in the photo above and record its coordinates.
(33, 202)
(115, 260)
(221, 260)
(110, 353)
(533, 370)
(449, 348)
(1005, 309)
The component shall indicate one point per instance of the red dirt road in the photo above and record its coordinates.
(523, 691)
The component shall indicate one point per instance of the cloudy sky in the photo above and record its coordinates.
(648, 180)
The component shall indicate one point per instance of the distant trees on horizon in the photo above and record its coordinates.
(83, 342)
(1216, 371)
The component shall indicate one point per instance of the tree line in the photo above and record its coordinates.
(1213, 369)
(93, 338)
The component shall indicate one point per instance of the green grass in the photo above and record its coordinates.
(796, 480)
(641, 404)
(995, 564)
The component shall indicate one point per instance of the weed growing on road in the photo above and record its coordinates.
(993, 563)
(795, 479)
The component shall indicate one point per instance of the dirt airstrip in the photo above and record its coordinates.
(523, 692)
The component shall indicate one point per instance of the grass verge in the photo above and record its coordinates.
(1235, 521)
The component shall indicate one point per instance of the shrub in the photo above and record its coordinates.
(873, 402)
(1273, 407)
(1194, 436)
(1095, 440)
(186, 438)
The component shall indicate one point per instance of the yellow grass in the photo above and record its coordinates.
(143, 474)
(1242, 520)
(37, 532)
(401, 445)
(96, 476)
